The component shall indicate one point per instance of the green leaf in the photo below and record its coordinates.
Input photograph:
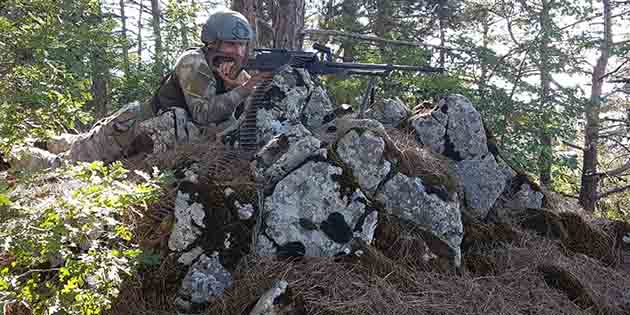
(4, 200)
(149, 259)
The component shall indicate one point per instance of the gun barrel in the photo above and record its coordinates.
(273, 59)
(366, 68)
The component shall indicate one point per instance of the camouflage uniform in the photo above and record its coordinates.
(208, 106)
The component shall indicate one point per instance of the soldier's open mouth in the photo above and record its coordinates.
(220, 59)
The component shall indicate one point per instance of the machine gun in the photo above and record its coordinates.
(321, 62)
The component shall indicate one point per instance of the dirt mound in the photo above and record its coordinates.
(507, 271)
(602, 240)
(578, 272)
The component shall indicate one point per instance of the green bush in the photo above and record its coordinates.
(71, 254)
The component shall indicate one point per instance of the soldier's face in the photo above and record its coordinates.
(234, 49)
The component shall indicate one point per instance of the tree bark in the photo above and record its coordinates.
(546, 154)
(349, 9)
(139, 38)
(288, 22)
(157, 37)
(590, 178)
(125, 49)
(100, 103)
(183, 28)
(442, 20)
(382, 23)
(483, 62)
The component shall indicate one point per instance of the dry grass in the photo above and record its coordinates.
(523, 274)
(432, 168)
(408, 245)
(233, 167)
(326, 286)
(152, 291)
(590, 240)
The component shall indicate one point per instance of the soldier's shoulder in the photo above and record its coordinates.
(191, 57)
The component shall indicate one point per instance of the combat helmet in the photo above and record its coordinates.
(226, 25)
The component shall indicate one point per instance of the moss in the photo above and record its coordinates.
(347, 181)
(432, 170)
(434, 182)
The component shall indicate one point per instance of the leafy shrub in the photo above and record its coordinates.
(70, 255)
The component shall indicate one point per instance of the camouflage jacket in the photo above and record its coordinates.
(205, 101)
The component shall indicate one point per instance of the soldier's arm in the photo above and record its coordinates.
(199, 87)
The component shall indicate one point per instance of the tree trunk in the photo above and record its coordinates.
(590, 180)
(484, 62)
(288, 22)
(139, 38)
(183, 28)
(442, 20)
(350, 9)
(100, 103)
(125, 49)
(157, 37)
(546, 154)
(382, 24)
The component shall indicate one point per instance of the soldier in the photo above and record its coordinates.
(203, 90)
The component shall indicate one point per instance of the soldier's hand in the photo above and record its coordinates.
(225, 72)
(256, 78)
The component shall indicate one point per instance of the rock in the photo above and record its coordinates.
(286, 80)
(294, 102)
(60, 143)
(363, 153)
(264, 247)
(190, 256)
(279, 145)
(268, 303)
(407, 199)
(390, 112)
(525, 197)
(283, 154)
(318, 109)
(245, 212)
(184, 232)
(343, 125)
(191, 173)
(482, 182)
(368, 228)
(465, 131)
(269, 125)
(205, 280)
(287, 102)
(170, 128)
(430, 129)
(306, 212)
(33, 159)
